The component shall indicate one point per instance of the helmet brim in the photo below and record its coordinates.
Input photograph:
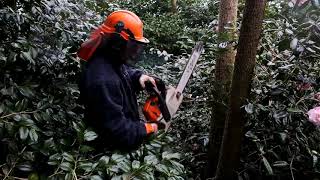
(143, 40)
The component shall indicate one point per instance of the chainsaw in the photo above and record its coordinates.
(163, 102)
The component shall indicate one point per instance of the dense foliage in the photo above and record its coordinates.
(42, 133)
(41, 129)
(287, 80)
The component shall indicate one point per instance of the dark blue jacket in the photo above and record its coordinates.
(108, 91)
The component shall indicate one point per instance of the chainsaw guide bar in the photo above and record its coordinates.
(164, 101)
(174, 95)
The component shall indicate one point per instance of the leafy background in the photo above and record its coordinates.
(41, 128)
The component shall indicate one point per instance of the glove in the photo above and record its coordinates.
(151, 128)
(145, 78)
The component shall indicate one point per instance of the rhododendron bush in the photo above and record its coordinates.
(42, 134)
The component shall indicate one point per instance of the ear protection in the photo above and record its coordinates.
(120, 27)
(118, 43)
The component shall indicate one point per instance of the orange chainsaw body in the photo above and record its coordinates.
(151, 109)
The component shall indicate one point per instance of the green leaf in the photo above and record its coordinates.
(314, 160)
(294, 43)
(249, 108)
(1, 109)
(90, 135)
(151, 159)
(85, 148)
(178, 167)
(135, 164)
(25, 167)
(167, 155)
(104, 160)
(163, 169)
(96, 177)
(54, 159)
(26, 91)
(33, 176)
(66, 166)
(17, 118)
(289, 31)
(283, 136)
(28, 155)
(76, 127)
(49, 144)
(294, 110)
(86, 166)
(311, 50)
(280, 164)
(267, 165)
(117, 178)
(68, 176)
(26, 122)
(34, 52)
(68, 157)
(124, 165)
(27, 56)
(147, 175)
(114, 169)
(23, 132)
(155, 145)
(7, 91)
(37, 116)
(33, 135)
(118, 157)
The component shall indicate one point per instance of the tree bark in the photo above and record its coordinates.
(241, 84)
(174, 7)
(223, 77)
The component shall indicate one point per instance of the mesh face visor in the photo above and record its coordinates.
(134, 50)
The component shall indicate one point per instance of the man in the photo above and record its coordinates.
(108, 87)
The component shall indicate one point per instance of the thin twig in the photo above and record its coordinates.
(57, 170)
(74, 174)
(18, 178)
(16, 113)
(292, 176)
(14, 164)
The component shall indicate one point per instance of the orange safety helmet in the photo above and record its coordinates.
(130, 22)
(123, 22)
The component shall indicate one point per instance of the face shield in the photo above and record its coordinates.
(133, 50)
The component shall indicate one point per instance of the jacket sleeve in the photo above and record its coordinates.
(134, 75)
(106, 100)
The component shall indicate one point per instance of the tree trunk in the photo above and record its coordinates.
(174, 7)
(223, 78)
(243, 74)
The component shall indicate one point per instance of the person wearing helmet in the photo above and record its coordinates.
(109, 85)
